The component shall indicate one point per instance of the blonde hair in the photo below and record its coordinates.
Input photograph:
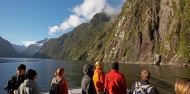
(182, 86)
(98, 64)
(60, 71)
(145, 74)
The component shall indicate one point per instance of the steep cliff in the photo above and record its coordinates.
(146, 31)
(6, 49)
(151, 31)
(84, 42)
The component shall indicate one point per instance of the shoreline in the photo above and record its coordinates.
(161, 64)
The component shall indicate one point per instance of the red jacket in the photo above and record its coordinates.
(115, 83)
(63, 86)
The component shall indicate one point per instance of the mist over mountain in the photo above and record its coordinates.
(33, 48)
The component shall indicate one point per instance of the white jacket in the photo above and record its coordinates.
(28, 87)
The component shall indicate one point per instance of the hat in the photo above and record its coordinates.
(21, 66)
(115, 65)
(87, 69)
(30, 74)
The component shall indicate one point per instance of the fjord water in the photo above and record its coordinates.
(162, 77)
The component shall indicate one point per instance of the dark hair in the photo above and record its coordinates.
(30, 74)
(115, 65)
(21, 67)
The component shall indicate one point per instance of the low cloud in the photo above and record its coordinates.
(111, 11)
(53, 30)
(27, 43)
(89, 8)
(84, 12)
(72, 21)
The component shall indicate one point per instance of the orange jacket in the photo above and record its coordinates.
(98, 79)
(115, 83)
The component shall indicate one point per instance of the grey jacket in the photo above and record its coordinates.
(28, 87)
(87, 83)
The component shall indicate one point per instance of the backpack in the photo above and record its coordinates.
(55, 87)
(142, 89)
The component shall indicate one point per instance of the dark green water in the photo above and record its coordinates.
(163, 77)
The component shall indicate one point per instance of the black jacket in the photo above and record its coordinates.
(14, 83)
(145, 82)
(87, 83)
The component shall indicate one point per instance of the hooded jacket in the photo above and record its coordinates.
(87, 83)
(28, 87)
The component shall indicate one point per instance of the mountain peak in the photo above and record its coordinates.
(99, 18)
(42, 41)
(145, 31)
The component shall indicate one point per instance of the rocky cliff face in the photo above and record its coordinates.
(147, 31)
(151, 31)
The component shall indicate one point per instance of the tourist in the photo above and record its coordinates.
(182, 86)
(59, 84)
(143, 86)
(115, 81)
(29, 86)
(16, 80)
(99, 78)
(87, 83)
